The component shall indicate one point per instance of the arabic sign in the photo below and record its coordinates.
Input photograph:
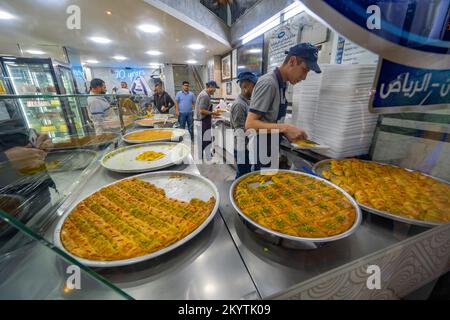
(399, 88)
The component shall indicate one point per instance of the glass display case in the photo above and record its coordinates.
(34, 198)
(56, 116)
(34, 182)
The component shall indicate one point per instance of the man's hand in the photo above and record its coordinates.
(21, 157)
(216, 114)
(43, 142)
(293, 133)
(164, 109)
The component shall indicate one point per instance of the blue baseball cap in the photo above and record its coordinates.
(308, 52)
(212, 83)
(250, 76)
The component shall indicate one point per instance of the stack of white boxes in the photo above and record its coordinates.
(333, 108)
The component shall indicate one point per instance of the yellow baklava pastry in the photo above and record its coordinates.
(295, 205)
(129, 219)
(398, 191)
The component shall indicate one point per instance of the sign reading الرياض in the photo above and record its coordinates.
(401, 88)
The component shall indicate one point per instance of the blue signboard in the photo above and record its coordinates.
(417, 24)
(399, 88)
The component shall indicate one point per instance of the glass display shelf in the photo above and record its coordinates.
(39, 271)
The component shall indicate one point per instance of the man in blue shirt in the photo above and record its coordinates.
(184, 108)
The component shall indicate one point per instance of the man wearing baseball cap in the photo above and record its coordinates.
(268, 105)
(204, 114)
(239, 111)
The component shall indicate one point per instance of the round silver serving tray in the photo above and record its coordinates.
(156, 123)
(293, 241)
(123, 159)
(323, 165)
(177, 134)
(178, 185)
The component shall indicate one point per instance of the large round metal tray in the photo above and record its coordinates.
(176, 135)
(323, 165)
(302, 243)
(177, 185)
(154, 123)
(123, 160)
(20, 213)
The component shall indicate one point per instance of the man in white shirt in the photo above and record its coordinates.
(98, 106)
(123, 89)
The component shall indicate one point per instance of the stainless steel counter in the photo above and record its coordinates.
(208, 267)
(228, 261)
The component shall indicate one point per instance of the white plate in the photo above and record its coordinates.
(161, 117)
(178, 185)
(176, 135)
(124, 159)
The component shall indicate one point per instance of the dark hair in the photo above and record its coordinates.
(185, 82)
(245, 81)
(95, 83)
(289, 56)
(124, 82)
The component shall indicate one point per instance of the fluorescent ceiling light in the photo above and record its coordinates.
(191, 62)
(254, 51)
(100, 40)
(6, 15)
(9, 58)
(92, 61)
(293, 10)
(120, 58)
(196, 46)
(149, 28)
(274, 21)
(35, 52)
(241, 67)
(261, 29)
(155, 65)
(154, 53)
